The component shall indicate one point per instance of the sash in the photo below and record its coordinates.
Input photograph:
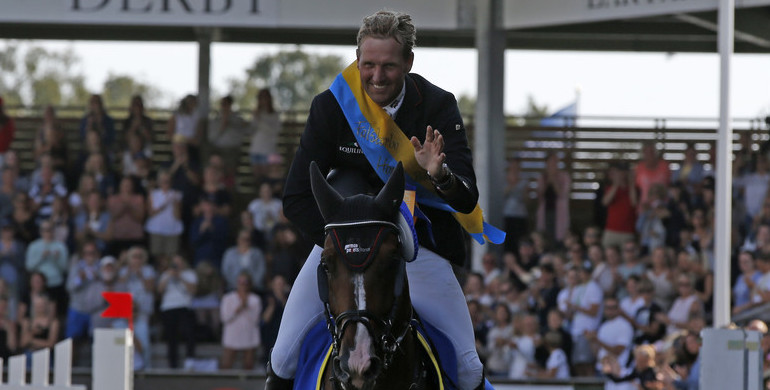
(384, 144)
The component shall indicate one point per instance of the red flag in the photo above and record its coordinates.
(120, 305)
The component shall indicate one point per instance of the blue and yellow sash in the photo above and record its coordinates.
(384, 144)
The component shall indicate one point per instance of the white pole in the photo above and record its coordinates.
(723, 222)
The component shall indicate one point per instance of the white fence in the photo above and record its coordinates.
(41, 364)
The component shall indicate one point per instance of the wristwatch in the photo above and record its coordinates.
(446, 181)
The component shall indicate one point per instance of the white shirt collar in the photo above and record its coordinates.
(392, 107)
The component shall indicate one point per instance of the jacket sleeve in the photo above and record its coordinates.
(317, 144)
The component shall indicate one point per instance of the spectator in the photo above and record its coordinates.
(703, 235)
(613, 339)
(77, 199)
(41, 329)
(557, 365)
(651, 170)
(275, 301)
(7, 193)
(140, 125)
(676, 214)
(543, 293)
(686, 305)
(583, 306)
(208, 235)
(490, 270)
(607, 273)
(553, 194)
(37, 285)
(632, 264)
(184, 178)
(214, 189)
(183, 127)
(642, 377)
(164, 223)
(266, 211)
(691, 172)
(554, 324)
(621, 202)
(108, 282)
(287, 253)
(243, 257)
(127, 213)
(207, 300)
(7, 131)
(44, 192)
(515, 212)
(754, 187)
(649, 225)
(139, 279)
(686, 372)
(8, 330)
(499, 342)
(256, 237)
(97, 119)
(480, 324)
(523, 345)
(176, 288)
(240, 314)
(63, 223)
(648, 329)
(133, 153)
(12, 257)
(745, 282)
(96, 166)
(662, 277)
(93, 222)
(50, 140)
(632, 302)
(23, 219)
(225, 134)
(474, 290)
(266, 126)
(83, 275)
(11, 162)
(50, 257)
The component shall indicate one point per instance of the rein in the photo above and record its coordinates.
(387, 341)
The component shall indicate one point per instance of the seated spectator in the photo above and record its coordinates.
(644, 374)
(63, 223)
(127, 214)
(108, 282)
(50, 257)
(37, 285)
(703, 235)
(12, 257)
(745, 282)
(474, 290)
(77, 199)
(554, 324)
(208, 235)
(686, 305)
(41, 329)
(207, 300)
(45, 165)
(607, 272)
(275, 301)
(557, 365)
(498, 345)
(93, 222)
(43, 195)
(240, 314)
(632, 264)
(139, 279)
(176, 288)
(8, 330)
(164, 222)
(266, 211)
(480, 323)
(686, 369)
(244, 258)
(255, 236)
(134, 152)
(21, 182)
(83, 275)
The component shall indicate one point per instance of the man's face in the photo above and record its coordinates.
(383, 68)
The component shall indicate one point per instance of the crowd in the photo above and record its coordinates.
(624, 299)
(108, 217)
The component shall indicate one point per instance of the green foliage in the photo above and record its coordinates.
(467, 105)
(293, 77)
(534, 112)
(118, 90)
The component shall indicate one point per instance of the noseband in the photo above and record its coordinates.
(358, 259)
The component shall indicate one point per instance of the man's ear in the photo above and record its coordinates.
(358, 56)
(409, 62)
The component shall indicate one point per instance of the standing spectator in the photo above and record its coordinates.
(651, 170)
(225, 134)
(93, 221)
(607, 273)
(184, 178)
(240, 313)
(648, 329)
(23, 219)
(139, 279)
(662, 277)
(207, 300)
(214, 189)
(63, 223)
(584, 308)
(266, 127)
(544, 293)
(7, 131)
(613, 339)
(703, 235)
(127, 215)
(97, 167)
(515, 212)
(557, 365)
(621, 201)
(632, 264)
(490, 269)
(50, 257)
(164, 223)
(7, 192)
(41, 329)
(44, 192)
(108, 282)
(275, 301)
(139, 124)
(553, 194)
(183, 127)
(632, 302)
(554, 324)
(36, 285)
(176, 287)
(21, 181)
(652, 231)
(642, 377)
(77, 199)
(244, 258)
(12, 256)
(265, 210)
(51, 140)
(83, 275)
(287, 253)
(754, 187)
(523, 345)
(132, 155)
(8, 330)
(499, 341)
(97, 119)
(208, 235)
(745, 283)
(691, 172)
(685, 306)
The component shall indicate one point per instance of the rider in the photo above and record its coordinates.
(429, 116)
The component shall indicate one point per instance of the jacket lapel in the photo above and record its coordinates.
(407, 117)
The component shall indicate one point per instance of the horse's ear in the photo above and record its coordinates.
(327, 198)
(392, 193)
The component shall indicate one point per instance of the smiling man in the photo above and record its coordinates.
(374, 111)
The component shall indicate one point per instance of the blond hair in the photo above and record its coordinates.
(389, 24)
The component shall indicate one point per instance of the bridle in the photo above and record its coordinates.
(387, 340)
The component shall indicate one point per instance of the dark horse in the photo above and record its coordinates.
(362, 281)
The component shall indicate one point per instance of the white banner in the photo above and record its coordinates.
(434, 14)
(540, 13)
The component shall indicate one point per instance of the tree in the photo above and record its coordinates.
(467, 105)
(534, 112)
(118, 90)
(293, 77)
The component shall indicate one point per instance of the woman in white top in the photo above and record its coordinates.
(240, 314)
(176, 287)
(685, 306)
(165, 222)
(662, 277)
(499, 340)
(183, 125)
(266, 126)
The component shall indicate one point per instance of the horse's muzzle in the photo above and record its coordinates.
(356, 380)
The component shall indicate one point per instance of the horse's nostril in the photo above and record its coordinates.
(375, 364)
(340, 369)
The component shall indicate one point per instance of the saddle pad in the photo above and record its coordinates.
(316, 351)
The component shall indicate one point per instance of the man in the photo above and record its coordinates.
(430, 119)
(614, 340)
(225, 133)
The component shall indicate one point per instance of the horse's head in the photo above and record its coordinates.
(362, 278)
